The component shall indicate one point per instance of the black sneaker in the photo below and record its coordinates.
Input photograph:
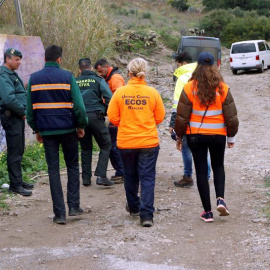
(222, 208)
(132, 214)
(147, 223)
(27, 185)
(75, 211)
(59, 219)
(207, 216)
(86, 182)
(20, 190)
(104, 181)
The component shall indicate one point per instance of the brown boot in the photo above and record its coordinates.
(184, 182)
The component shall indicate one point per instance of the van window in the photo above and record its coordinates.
(261, 46)
(243, 48)
(267, 47)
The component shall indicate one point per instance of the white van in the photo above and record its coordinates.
(251, 54)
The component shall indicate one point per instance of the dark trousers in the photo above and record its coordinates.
(69, 143)
(140, 168)
(15, 138)
(115, 157)
(216, 145)
(96, 127)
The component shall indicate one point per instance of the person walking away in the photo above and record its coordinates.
(113, 77)
(136, 109)
(55, 110)
(182, 74)
(206, 112)
(94, 89)
(13, 105)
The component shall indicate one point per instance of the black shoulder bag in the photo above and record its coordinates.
(193, 138)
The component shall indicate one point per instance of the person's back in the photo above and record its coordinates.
(136, 109)
(206, 114)
(96, 95)
(56, 113)
(139, 115)
(183, 73)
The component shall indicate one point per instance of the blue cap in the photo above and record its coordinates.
(206, 59)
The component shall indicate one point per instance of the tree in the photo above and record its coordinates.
(181, 5)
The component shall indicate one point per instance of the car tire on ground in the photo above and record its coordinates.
(234, 72)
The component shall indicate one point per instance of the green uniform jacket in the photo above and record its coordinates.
(12, 92)
(78, 107)
(94, 89)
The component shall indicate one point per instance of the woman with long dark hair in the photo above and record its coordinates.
(206, 113)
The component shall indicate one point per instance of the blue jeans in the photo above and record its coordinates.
(187, 159)
(140, 168)
(115, 157)
(69, 143)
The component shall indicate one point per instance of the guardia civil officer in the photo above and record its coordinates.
(55, 111)
(13, 104)
(94, 90)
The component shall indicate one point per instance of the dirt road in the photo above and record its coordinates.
(106, 237)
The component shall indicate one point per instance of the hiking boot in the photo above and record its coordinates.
(132, 214)
(147, 223)
(20, 190)
(104, 181)
(184, 182)
(207, 216)
(117, 179)
(222, 208)
(27, 185)
(75, 211)
(59, 219)
(86, 182)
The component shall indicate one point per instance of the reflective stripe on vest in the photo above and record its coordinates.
(58, 105)
(39, 87)
(208, 113)
(213, 122)
(206, 126)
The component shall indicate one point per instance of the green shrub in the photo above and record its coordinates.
(146, 15)
(181, 5)
(169, 40)
(113, 6)
(214, 23)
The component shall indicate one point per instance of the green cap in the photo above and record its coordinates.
(14, 52)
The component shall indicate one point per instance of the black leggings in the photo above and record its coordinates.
(216, 145)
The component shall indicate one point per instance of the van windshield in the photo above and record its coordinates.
(243, 48)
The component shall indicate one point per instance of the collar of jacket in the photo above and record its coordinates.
(52, 64)
(88, 72)
(9, 71)
(135, 80)
(185, 69)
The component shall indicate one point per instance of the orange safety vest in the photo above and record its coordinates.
(213, 122)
